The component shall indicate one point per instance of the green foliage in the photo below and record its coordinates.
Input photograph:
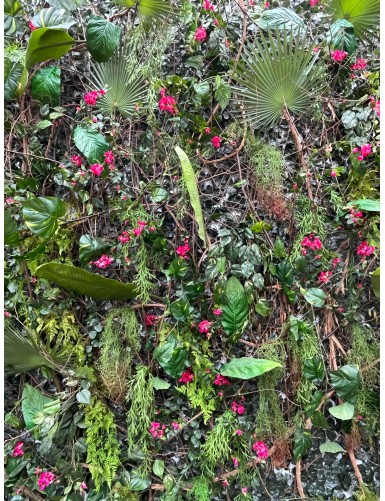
(91, 248)
(42, 215)
(47, 43)
(274, 76)
(217, 450)
(247, 367)
(102, 38)
(365, 494)
(91, 143)
(53, 18)
(151, 10)
(364, 15)
(236, 309)
(45, 85)
(32, 402)
(375, 279)
(347, 382)
(282, 19)
(144, 277)
(201, 490)
(302, 442)
(268, 163)
(11, 236)
(201, 395)
(102, 444)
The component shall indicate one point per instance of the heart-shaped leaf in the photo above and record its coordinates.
(347, 382)
(236, 309)
(90, 143)
(47, 43)
(11, 235)
(180, 309)
(344, 412)
(84, 282)
(45, 85)
(313, 369)
(102, 38)
(316, 297)
(247, 367)
(53, 18)
(331, 447)
(42, 215)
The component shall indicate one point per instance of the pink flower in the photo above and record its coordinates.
(225, 483)
(101, 92)
(355, 150)
(251, 3)
(200, 34)
(204, 326)
(150, 320)
(324, 276)
(340, 309)
(316, 49)
(103, 262)
(109, 157)
(186, 376)
(313, 3)
(236, 463)
(183, 250)
(359, 418)
(216, 141)
(45, 479)
(237, 408)
(360, 64)
(217, 311)
(207, 5)
(156, 430)
(91, 97)
(333, 173)
(239, 432)
(7, 314)
(360, 158)
(83, 486)
(216, 22)
(18, 450)
(364, 249)
(338, 55)
(261, 449)
(38, 470)
(311, 242)
(267, 5)
(32, 27)
(366, 150)
(97, 169)
(175, 425)
(227, 43)
(244, 490)
(124, 237)
(220, 380)
(335, 261)
(167, 103)
(77, 160)
(207, 130)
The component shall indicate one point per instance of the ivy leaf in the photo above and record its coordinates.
(90, 248)
(84, 397)
(160, 384)
(42, 215)
(32, 402)
(344, 412)
(83, 282)
(180, 309)
(313, 369)
(53, 18)
(347, 381)
(332, 447)
(376, 282)
(158, 468)
(47, 43)
(90, 143)
(236, 309)
(45, 85)
(11, 235)
(248, 367)
(316, 297)
(302, 442)
(222, 92)
(102, 38)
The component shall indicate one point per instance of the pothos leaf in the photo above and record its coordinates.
(313, 369)
(347, 381)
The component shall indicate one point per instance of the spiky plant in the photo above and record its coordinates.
(364, 15)
(276, 75)
(150, 10)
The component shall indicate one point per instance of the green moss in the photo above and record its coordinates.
(365, 494)
(201, 490)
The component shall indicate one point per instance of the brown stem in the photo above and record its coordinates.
(349, 448)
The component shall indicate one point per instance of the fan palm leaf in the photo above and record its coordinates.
(151, 10)
(364, 15)
(274, 75)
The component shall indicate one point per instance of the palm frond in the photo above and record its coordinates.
(364, 15)
(151, 10)
(275, 74)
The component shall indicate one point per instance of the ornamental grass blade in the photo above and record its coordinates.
(192, 188)
(84, 282)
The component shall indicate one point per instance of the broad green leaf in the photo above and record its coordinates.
(376, 282)
(236, 309)
(32, 402)
(91, 143)
(331, 447)
(102, 38)
(318, 419)
(138, 483)
(202, 88)
(316, 297)
(298, 327)
(12, 7)
(344, 412)
(84, 397)
(90, 248)
(279, 249)
(366, 204)
(281, 18)
(285, 273)
(180, 309)
(347, 381)
(42, 215)
(160, 384)
(13, 11)
(53, 18)
(341, 36)
(302, 442)
(47, 43)
(364, 15)
(15, 78)
(14, 467)
(84, 282)
(192, 188)
(45, 85)
(171, 357)
(11, 235)
(313, 369)
(222, 92)
(158, 468)
(248, 367)
(68, 5)
(43, 124)
(178, 267)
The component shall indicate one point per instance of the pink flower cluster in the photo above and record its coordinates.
(77, 160)
(237, 408)
(140, 228)
(187, 376)
(325, 276)
(364, 151)
(365, 250)
(338, 55)
(207, 5)
(184, 249)
(167, 103)
(335, 261)
(175, 425)
(18, 450)
(109, 157)
(200, 34)
(216, 141)
(204, 326)
(91, 97)
(261, 449)
(311, 242)
(150, 320)
(156, 430)
(220, 380)
(313, 3)
(360, 64)
(356, 216)
(45, 479)
(124, 237)
(103, 261)
(97, 169)
(217, 312)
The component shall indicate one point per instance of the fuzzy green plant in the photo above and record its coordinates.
(201, 396)
(143, 278)
(118, 344)
(201, 490)
(102, 444)
(217, 450)
(364, 493)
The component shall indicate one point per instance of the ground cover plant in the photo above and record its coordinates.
(191, 250)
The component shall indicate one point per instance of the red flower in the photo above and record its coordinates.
(96, 169)
(200, 34)
(324, 276)
(150, 320)
(103, 262)
(220, 380)
(338, 55)
(186, 376)
(364, 249)
(360, 64)
(207, 5)
(77, 160)
(313, 3)
(45, 479)
(216, 141)
(183, 250)
(18, 450)
(204, 326)
(91, 97)
(31, 26)
(109, 157)
(261, 449)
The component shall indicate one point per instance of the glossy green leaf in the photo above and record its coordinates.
(192, 188)
(164, 351)
(281, 18)
(91, 248)
(364, 15)
(331, 447)
(180, 309)
(315, 297)
(344, 412)
(347, 381)
(366, 204)
(45, 85)
(84, 282)
(285, 273)
(158, 468)
(42, 215)
(171, 357)
(313, 369)
(160, 384)
(11, 235)
(341, 36)
(68, 5)
(102, 38)
(13, 11)
(47, 43)
(302, 442)
(32, 402)
(222, 92)
(15, 78)
(248, 367)
(318, 419)
(178, 267)
(376, 282)
(138, 483)
(236, 309)
(91, 143)
(53, 18)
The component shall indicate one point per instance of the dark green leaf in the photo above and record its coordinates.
(45, 85)
(316, 297)
(180, 309)
(178, 267)
(15, 78)
(222, 92)
(32, 402)
(47, 43)
(83, 282)
(313, 369)
(302, 442)
(318, 419)
(279, 249)
(164, 351)
(138, 483)
(236, 309)
(102, 38)
(15, 466)
(284, 272)
(347, 381)
(11, 235)
(42, 215)
(91, 144)
(341, 36)
(247, 367)
(345, 411)
(176, 364)
(315, 400)
(158, 468)
(53, 18)
(90, 248)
